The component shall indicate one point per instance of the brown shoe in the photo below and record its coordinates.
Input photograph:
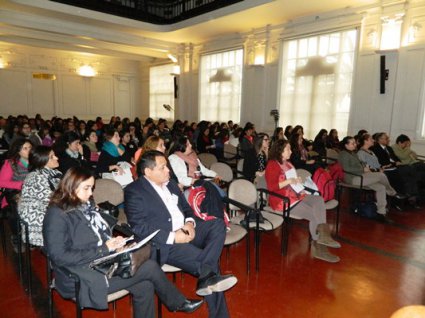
(325, 237)
(321, 252)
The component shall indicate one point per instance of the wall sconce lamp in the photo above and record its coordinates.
(259, 55)
(86, 71)
(172, 57)
(176, 70)
(3, 63)
(391, 32)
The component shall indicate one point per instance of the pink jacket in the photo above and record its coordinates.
(6, 175)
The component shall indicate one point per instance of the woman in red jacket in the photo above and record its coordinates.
(281, 178)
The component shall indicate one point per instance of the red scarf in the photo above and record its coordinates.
(191, 160)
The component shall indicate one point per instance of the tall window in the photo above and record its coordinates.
(161, 91)
(220, 86)
(316, 82)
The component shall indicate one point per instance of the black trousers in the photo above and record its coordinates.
(200, 257)
(148, 279)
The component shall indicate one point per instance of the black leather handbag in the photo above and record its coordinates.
(124, 265)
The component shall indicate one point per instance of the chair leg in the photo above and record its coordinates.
(19, 238)
(3, 234)
(159, 308)
(248, 251)
(28, 261)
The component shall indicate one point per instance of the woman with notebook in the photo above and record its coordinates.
(75, 234)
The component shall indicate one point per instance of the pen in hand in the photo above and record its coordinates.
(185, 231)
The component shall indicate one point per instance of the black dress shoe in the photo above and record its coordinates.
(215, 283)
(383, 218)
(190, 305)
(400, 196)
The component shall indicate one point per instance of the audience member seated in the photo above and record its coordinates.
(401, 178)
(303, 205)
(204, 143)
(277, 134)
(376, 181)
(288, 132)
(185, 163)
(155, 202)
(299, 156)
(402, 149)
(75, 234)
(234, 136)
(112, 153)
(90, 148)
(319, 143)
(332, 141)
(37, 189)
(384, 152)
(129, 146)
(221, 139)
(70, 152)
(163, 132)
(246, 139)
(255, 160)
(12, 175)
(152, 143)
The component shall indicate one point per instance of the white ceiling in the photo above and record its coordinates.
(49, 24)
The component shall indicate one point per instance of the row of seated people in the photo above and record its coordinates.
(389, 170)
(62, 231)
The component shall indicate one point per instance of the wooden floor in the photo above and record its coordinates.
(382, 268)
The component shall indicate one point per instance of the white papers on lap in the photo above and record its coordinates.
(292, 173)
(123, 179)
(132, 248)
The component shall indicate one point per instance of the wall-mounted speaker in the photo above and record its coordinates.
(176, 88)
(383, 75)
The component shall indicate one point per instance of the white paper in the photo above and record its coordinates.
(135, 247)
(292, 173)
(123, 179)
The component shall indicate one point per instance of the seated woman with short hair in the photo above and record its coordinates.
(75, 234)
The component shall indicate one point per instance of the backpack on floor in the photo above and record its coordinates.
(325, 184)
(366, 209)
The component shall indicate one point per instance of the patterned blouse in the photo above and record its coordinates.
(35, 197)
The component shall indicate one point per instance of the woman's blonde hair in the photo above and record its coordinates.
(151, 143)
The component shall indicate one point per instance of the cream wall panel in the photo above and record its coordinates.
(122, 96)
(408, 111)
(364, 92)
(101, 96)
(43, 97)
(74, 95)
(13, 92)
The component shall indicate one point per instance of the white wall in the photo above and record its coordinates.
(114, 90)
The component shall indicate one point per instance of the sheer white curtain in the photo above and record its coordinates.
(220, 86)
(161, 91)
(317, 74)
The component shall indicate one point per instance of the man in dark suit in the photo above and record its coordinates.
(155, 202)
(402, 177)
(384, 152)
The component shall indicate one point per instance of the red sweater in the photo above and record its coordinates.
(275, 173)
